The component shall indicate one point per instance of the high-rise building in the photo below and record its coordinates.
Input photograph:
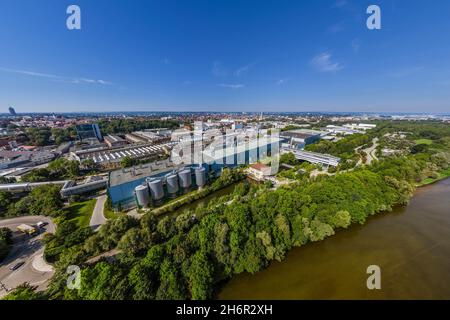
(89, 131)
(12, 111)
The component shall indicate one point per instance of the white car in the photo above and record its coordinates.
(41, 224)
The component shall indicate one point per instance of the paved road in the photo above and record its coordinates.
(371, 151)
(29, 250)
(97, 218)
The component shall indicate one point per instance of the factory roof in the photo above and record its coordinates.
(142, 171)
(301, 133)
(113, 138)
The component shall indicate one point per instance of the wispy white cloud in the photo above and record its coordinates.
(356, 44)
(231, 85)
(406, 72)
(219, 70)
(340, 3)
(241, 71)
(336, 28)
(281, 81)
(323, 62)
(56, 77)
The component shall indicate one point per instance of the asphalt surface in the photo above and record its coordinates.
(97, 218)
(371, 151)
(25, 249)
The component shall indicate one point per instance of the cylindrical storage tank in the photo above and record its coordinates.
(156, 189)
(200, 176)
(142, 196)
(172, 183)
(185, 178)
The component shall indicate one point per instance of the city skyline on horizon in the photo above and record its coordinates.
(167, 56)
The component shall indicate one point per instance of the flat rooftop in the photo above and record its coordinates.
(142, 171)
(301, 133)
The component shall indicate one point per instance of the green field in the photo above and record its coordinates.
(423, 141)
(81, 212)
(110, 214)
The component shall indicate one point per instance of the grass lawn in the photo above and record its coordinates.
(423, 141)
(81, 212)
(110, 214)
(442, 175)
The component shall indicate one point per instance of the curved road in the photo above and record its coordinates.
(29, 250)
(97, 218)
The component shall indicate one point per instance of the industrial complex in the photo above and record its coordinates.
(151, 183)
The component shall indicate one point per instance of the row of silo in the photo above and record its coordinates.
(154, 189)
(185, 178)
(172, 183)
(142, 196)
(200, 176)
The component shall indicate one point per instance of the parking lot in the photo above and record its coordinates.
(28, 251)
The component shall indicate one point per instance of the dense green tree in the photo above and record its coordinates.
(342, 219)
(25, 292)
(201, 273)
(166, 227)
(126, 162)
(39, 136)
(43, 200)
(131, 242)
(102, 282)
(5, 242)
(171, 285)
(6, 199)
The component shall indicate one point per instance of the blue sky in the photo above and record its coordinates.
(225, 55)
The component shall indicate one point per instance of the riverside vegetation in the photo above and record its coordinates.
(190, 255)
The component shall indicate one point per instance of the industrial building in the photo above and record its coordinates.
(360, 126)
(151, 135)
(259, 171)
(13, 159)
(92, 183)
(103, 156)
(89, 131)
(313, 157)
(69, 187)
(151, 183)
(300, 138)
(341, 130)
(114, 141)
(132, 138)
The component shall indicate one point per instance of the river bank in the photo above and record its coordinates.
(411, 245)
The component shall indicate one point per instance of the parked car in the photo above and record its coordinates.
(41, 224)
(16, 266)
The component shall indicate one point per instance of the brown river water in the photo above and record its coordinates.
(411, 245)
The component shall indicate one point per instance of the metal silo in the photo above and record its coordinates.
(200, 176)
(142, 196)
(156, 189)
(172, 183)
(185, 178)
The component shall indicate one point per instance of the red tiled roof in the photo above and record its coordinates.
(259, 166)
